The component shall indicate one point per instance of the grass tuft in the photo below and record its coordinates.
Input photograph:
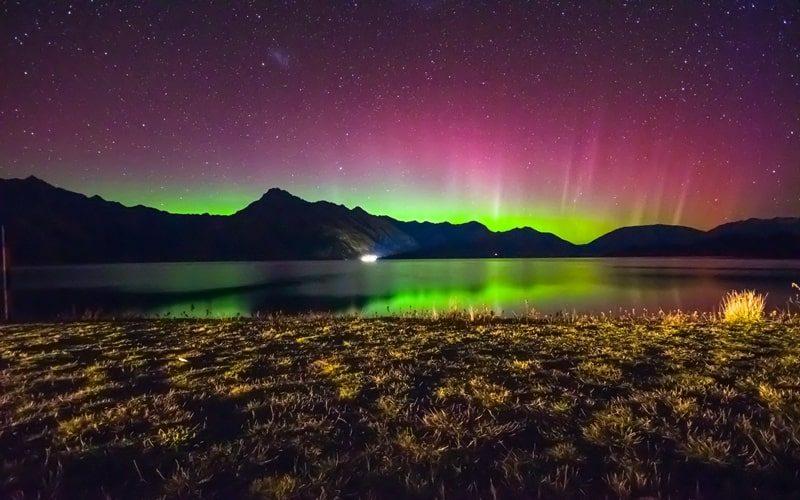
(745, 306)
(278, 487)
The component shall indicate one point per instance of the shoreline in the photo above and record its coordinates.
(389, 258)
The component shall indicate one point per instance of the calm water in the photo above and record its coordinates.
(507, 286)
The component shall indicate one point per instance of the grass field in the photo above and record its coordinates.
(314, 406)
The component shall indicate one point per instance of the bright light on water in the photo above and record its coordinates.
(368, 258)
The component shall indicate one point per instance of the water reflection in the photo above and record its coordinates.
(506, 286)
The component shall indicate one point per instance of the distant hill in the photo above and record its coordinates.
(651, 240)
(474, 240)
(49, 225)
(753, 238)
(778, 238)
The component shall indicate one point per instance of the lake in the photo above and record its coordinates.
(507, 286)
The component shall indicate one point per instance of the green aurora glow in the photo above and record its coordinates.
(578, 227)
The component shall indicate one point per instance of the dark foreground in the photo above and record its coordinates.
(341, 407)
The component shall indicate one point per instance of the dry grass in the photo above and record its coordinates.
(468, 406)
(745, 306)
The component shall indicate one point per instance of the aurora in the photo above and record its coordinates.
(570, 118)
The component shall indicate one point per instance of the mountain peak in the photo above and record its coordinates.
(277, 193)
(30, 182)
(273, 196)
(33, 180)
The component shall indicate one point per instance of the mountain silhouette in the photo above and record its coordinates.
(50, 225)
(651, 240)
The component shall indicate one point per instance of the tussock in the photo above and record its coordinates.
(745, 306)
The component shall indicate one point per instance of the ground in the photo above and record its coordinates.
(452, 407)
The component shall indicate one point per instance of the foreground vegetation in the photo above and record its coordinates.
(456, 406)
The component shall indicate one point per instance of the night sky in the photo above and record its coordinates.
(570, 117)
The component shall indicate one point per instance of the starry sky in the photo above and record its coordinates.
(570, 117)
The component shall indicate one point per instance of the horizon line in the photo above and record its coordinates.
(359, 207)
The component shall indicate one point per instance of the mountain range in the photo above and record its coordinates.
(49, 225)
